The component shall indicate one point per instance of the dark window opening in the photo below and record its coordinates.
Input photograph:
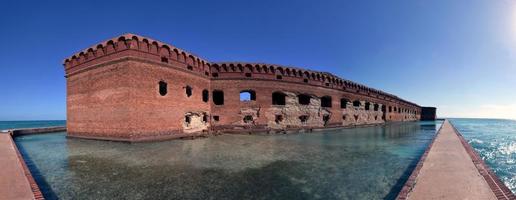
(279, 77)
(344, 117)
(248, 95)
(164, 59)
(390, 109)
(303, 118)
(205, 95)
(278, 119)
(304, 99)
(375, 117)
(326, 102)
(218, 97)
(215, 74)
(190, 68)
(162, 88)
(376, 107)
(326, 119)
(343, 103)
(367, 105)
(216, 118)
(248, 119)
(187, 120)
(278, 98)
(305, 80)
(356, 104)
(206, 73)
(205, 118)
(188, 91)
(247, 74)
(356, 117)
(327, 84)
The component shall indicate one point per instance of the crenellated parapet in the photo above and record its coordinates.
(273, 72)
(138, 46)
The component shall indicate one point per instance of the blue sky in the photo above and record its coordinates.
(457, 55)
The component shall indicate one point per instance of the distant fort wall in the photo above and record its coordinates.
(134, 89)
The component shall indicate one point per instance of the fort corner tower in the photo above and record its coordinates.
(133, 88)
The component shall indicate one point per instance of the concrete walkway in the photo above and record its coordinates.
(448, 172)
(13, 182)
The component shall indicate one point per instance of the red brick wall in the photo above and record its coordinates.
(112, 93)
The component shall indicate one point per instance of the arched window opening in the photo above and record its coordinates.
(218, 97)
(303, 119)
(187, 121)
(344, 103)
(278, 119)
(205, 118)
(305, 80)
(248, 119)
(304, 99)
(163, 88)
(367, 105)
(205, 95)
(326, 119)
(326, 102)
(279, 77)
(216, 118)
(247, 95)
(376, 107)
(188, 91)
(278, 98)
(390, 108)
(190, 68)
(164, 59)
(356, 104)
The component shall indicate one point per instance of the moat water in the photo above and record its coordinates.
(495, 141)
(359, 163)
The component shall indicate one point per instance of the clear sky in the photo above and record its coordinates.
(457, 55)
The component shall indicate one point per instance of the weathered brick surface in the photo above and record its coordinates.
(113, 93)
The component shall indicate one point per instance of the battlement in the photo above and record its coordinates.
(157, 50)
(274, 72)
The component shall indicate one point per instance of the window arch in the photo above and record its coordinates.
(326, 102)
(278, 98)
(188, 91)
(344, 103)
(163, 88)
(218, 97)
(356, 104)
(367, 105)
(376, 107)
(247, 95)
(304, 99)
(205, 95)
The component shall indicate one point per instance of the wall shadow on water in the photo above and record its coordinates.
(43, 185)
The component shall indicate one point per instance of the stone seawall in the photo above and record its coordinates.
(16, 181)
(451, 169)
(39, 130)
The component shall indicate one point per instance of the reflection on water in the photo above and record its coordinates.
(495, 141)
(360, 163)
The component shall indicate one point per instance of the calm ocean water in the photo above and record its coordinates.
(360, 163)
(30, 124)
(495, 141)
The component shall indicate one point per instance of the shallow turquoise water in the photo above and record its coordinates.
(495, 141)
(4, 125)
(360, 163)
